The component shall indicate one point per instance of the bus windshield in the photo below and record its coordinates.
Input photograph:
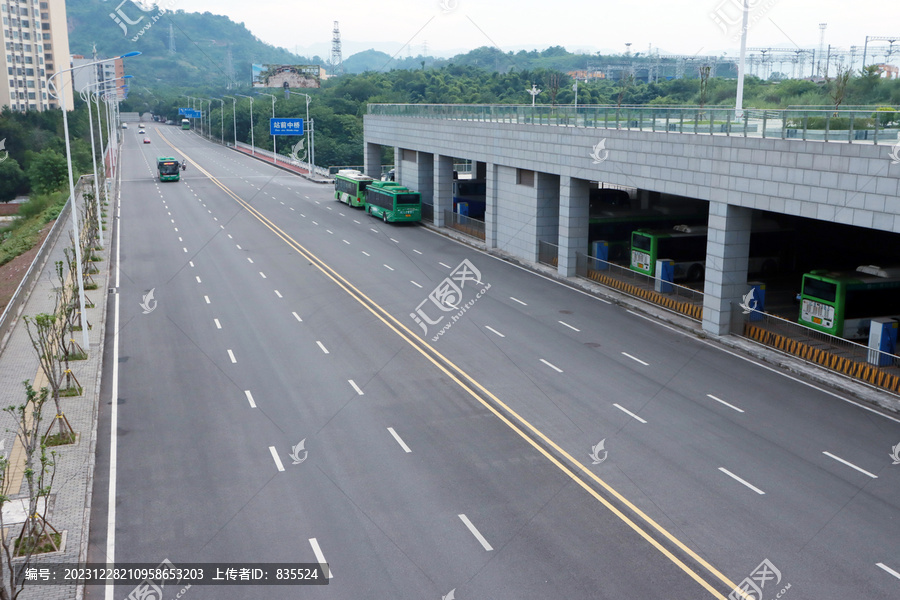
(821, 290)
(641, 242)
(169, 167)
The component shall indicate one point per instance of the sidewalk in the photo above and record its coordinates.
(70, 495)
(304, 173)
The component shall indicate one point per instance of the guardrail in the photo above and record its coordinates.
(877, 368)
(13, 310)
(428, 212)
(463, 224)
(860, 125)
(548, 254)
(284, 160)
(674, 297)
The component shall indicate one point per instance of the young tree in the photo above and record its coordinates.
(39, 472)
(47, 171)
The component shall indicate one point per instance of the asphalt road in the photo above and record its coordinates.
(466, 460)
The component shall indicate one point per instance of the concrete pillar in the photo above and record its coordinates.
(491, 208)
(574, 205)
(398, 160)
(727, 259)
(546, 208)
(372, 160)
(424, 183)
(443, 187)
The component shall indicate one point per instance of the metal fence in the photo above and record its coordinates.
(843, 356)
(671, 296)
(855, 125)
(463, 224)
(428, 212)
(284, 160)
(548, 254)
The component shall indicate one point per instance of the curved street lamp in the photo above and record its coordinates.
(252, 147)
(274, 148)
(62, 102)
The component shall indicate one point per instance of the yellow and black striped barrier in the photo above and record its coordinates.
(694, 311)
(858, 370)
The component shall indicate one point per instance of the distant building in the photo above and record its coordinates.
(585, 75)
(107, 73)
(888, 71)
(35, 38)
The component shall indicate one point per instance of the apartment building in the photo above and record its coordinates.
(35, 42)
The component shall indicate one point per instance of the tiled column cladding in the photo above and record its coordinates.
(372, 160)
(547, 212)
(727, 258)
(574, 209)
(492, 192)
(516, 214)
(443, 187)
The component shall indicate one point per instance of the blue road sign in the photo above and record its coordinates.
(190, 113)
(285, 126)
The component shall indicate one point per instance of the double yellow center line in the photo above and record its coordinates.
(578, 472)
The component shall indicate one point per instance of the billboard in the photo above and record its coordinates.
(285, 76)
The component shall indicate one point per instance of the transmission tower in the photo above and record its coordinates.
(229, 68)
(171, 39)
(337, 62)
(822, 63)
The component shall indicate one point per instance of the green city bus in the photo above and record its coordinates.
(393, 202)
(350, 187)
(185, 123)
(616, 226)
(169, 168)
(844, 303)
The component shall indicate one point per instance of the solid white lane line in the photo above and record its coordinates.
(296, 316)
(489, 328)
(738, 479)
(888, 569)
(629, 413)
(318, 552)
(445, 265)
(399, 441)
(231, 356)
(569, 326)
(552, 366)
(850, 464)
(250, 260)
(277, 293)
(322, 346)
(475, 532)
(725, 403)
(263, 275)
(250, 399)
(414, 283)
(388, 267)
(198, 279)
(636, 359)
(218, 325)
(416, 251)
(366, 253)
(517, 300)
(356, 387)
(277, 458)
(206, 298)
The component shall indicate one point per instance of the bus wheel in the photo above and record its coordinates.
(695, 273)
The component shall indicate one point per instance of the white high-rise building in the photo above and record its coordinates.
(35, 43)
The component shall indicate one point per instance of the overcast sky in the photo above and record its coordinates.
(451, 26)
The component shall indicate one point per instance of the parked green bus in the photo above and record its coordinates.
(185, 123)
(350, 187)
(844, 303)
(169, 168)
(393, 202)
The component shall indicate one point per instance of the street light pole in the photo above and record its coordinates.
(252, 147)
(61, 96)
(274, 148)
(234, 117)
(307, 129)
